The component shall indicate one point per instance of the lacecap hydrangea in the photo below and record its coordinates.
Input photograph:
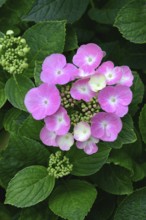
(82, 102)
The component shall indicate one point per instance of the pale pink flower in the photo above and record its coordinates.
(111, 73)
(81, 91)
(82, 131)
(97, 82)
(88, 56)
(48, 137)
(42, 101)
(65, 142)
(88, 146)
(115, 99)
(58, 122)
(127, 77)
(106, 126)
(56, 70)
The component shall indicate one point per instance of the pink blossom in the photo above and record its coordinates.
(88, 56)
(65, 142)
(81, 91)
(112, 74)
(42, 101)
(82, 131)
(88, 146)
(115, 99)
(56, 70)
(58, 122)
(81, 73)
(106, 126)
(48, 137)
(127, 77)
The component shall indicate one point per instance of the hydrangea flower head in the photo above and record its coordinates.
(81, 103)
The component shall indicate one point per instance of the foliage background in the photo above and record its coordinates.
(114, 179)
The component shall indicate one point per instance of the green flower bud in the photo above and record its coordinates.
(9, 32)
(26, 49)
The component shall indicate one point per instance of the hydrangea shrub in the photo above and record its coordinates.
(72, 110)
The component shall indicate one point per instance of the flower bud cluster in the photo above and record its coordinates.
(13, 51)
(59, 165)
(66, 100)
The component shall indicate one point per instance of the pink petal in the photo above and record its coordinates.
(127, 77)
(58, 122)
(91, 148)
(124, 94)
(42, 101)
(48, 137)
(81, 91)
(112, 74)
(53, 61)
(88, 56)
(106, 126)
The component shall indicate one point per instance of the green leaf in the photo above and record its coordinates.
(29, 187)
(114, 180)
(31, 128)
(2, 2)
(13, 120)
(131, 21)
(44, 38)
(71, 42)
(138, 93)
(11, 13)
(21, 152)
(2, 94)
(142, 123)
(72, 200)
(127, 135)
(70, 10)
(37, 72)
(16, 90)
(85, 165)
(133, 206)
(107, 14)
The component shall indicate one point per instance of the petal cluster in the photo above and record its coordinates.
(89, 108)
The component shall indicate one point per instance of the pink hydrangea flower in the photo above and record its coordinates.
(81, 91)
(42, 101)
(48, 137)
(88, 146)
(88, 57)
(112, 74)
(56, 70)
(127, 77)
(65, 142)
(106, 126)
(82, 131)
(58, 122)
(84, 74)
(115, 99)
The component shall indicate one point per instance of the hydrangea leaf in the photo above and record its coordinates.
(107, 14)
(133, 206)
(142, 123)
(13, 119)
(3, 97)
(70, 10)
(2, 2)
(31, 128)
(85, 165)
(73, 200)
(71, 42)
(138, 93)
(16, 89)
(127, 135)
(114, 180)
(44, 38)
(131, 21)
(37, 71)
(21, 152)
(29, 187)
